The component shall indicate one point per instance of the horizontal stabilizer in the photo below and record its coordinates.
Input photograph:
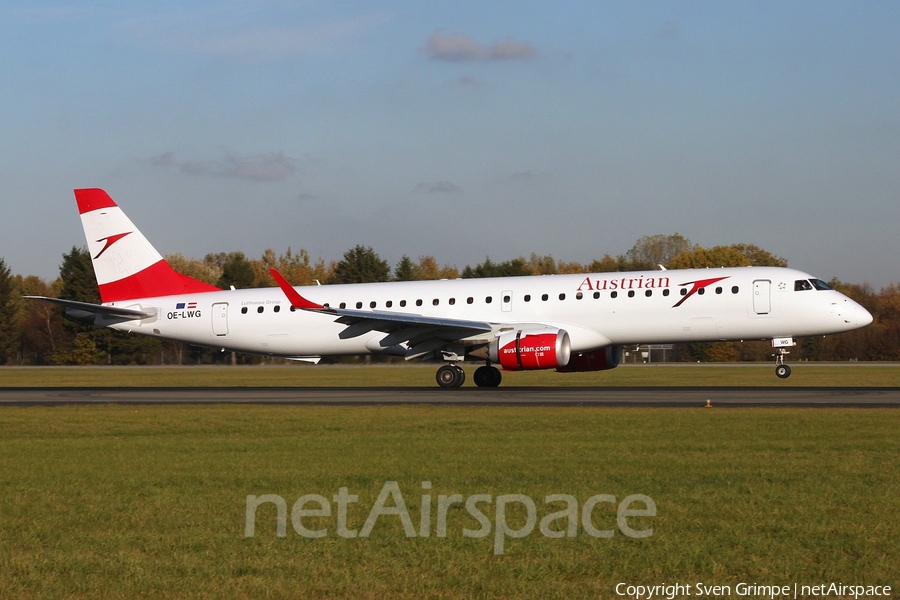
(97, 309)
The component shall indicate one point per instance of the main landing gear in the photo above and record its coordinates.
(450, 376)
(453, 376)
(487, 376)
(781, 370)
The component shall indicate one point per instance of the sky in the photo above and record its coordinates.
(460, 130)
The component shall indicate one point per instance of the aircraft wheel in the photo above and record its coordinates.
(783, 371)
(487, 376)
(494, 377)
(480, 377)
(450, 376)
(461, 375)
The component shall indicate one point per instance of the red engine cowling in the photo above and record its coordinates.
(531, 349)
(595, 360)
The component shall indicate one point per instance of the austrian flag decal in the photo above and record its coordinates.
(181, 305)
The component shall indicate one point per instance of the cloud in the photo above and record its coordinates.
(437, 187)
(273, 166)
(458, 47)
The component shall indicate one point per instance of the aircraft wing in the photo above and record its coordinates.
(421, 334)
(95, 309)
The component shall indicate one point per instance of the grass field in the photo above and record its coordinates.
(150, 501)
(755, 374)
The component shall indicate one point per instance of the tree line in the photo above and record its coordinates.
(35, 333)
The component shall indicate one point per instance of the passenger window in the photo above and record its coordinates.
(359, 305)
(596, 295)
(452, 301)
(527, 298)
(343, 305)
(718, 290)
(488, 300)
(435, 302)
(506, 299)
(389, 304)
(278, 308)
(684, 291)
(701, 291)
(734, 290)
(244, 310)
(666, 292)
(648, 293)
(545, 297)
(562, 296)
(470, 300)
(631, 293)
(614, 294)
(419, 302)
(260, 309)
(402, 303)
(579, 296)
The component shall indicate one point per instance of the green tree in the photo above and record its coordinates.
(425, 269)
(39, 323)
(361, 265)
(653, 250)
(236, 271)
(204, 270)
(735, 255)
(77, 275)
(510, 268)
(9, 332)
(405, 270)
(607, 264)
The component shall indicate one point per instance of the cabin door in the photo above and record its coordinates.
(762, 303)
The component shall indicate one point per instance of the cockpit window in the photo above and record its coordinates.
(821, 285)
(801, 285)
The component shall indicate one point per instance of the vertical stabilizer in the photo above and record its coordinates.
(126, 265)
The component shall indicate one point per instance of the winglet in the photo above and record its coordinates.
(296, 299)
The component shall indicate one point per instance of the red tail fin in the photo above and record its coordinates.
(126, 265)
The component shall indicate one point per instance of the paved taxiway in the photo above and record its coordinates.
(510, 396)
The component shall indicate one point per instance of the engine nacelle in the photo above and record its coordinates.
(595, 360)
(531, 349)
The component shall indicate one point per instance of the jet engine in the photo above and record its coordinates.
(525, 349)
(595, 360)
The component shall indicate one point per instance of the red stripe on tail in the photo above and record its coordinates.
(158, 279)
(92, 199)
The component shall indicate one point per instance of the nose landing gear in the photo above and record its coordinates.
(782, 371)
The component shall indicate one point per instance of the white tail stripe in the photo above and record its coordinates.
(117, 248)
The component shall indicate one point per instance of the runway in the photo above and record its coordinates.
(504, 396)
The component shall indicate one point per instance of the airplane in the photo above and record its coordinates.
(570, 323)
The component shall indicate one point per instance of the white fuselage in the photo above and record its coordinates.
(597, 310)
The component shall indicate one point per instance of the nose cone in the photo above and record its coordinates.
(852, 314)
